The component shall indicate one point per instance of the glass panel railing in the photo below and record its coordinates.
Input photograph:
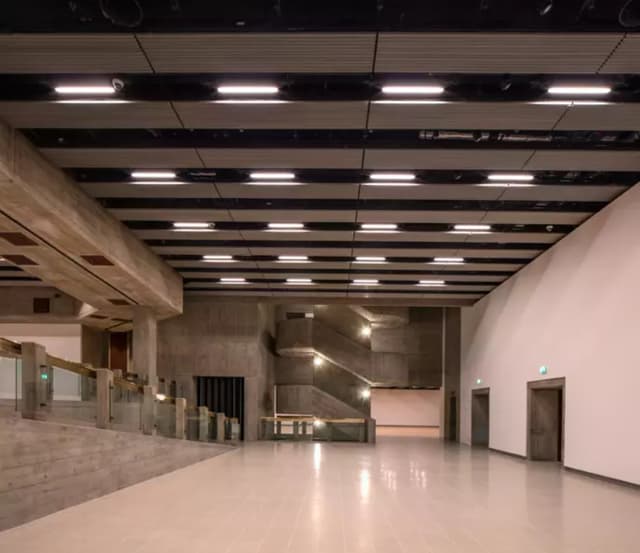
(166, 418)
(73, 397)
(10, 385)
(192, 418)
(330, 430)
(126, 408)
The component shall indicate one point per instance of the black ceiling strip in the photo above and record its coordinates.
(336, 227)
(464, 139)
(352, 289)
(19, 279)
(453, 177)
(345, 244)
(328, 16)
(250, 270)
(317, 87)
(349, 205)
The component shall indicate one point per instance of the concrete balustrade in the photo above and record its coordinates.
(181, 419)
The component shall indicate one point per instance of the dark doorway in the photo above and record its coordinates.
(452, 434)
(223, 394)
(546, 420)
(118, 351)
(480, 417)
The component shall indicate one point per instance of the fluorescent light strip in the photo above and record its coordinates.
(286, 226)
(586, 90)
(390, 184)
(299, 281)
(448, 260)
(230, 280)
(378, 226)
(365, 282)
(431, 283)
(370, 259)
(293, 258)
(161, 182)
(190, 225)
(571, 103)
(92, 101)
(153, 175)
(471, 227)
(256, 101)
(412, 89)
(265, 175)
(411, 102)
(392, 176)
(247, 89)
(521, 177)
(507, 184)
(88, 89)
(218, 258)
(274, 183)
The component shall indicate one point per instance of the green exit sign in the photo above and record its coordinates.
(543, 369)
(44, 376)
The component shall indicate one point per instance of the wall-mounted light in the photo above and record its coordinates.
(318, 361)
(365, 331)
(317, 423)
(365, 394)
(161, 397)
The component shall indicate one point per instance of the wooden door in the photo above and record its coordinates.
(545, 425)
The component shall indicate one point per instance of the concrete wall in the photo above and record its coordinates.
(406, 407)
(575, 309)
(45, 467)
(221, 339)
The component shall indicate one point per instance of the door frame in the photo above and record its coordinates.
(482, 392)
(547, 384)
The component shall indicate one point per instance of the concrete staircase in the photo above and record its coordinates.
(45, 467)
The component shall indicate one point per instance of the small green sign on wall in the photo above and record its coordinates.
(543, 370)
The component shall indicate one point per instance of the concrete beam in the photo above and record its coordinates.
(46, 207)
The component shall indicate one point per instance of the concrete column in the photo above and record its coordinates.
(181, 406)
(37, 382)
(145, 344)
(203, 424)
(371, 431)
(149, 410)
(104, 387)
(219, 427)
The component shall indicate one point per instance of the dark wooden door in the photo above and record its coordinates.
(545, 425)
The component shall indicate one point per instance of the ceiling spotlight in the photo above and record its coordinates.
(299, 281)
(370, 259)
(379, 228)
(392, 176)
(412, 89)
(264, 175)
(520, 177)
(97, 90)
(365, 331)
(448, 261)
(153, 175)
(317, 361)
(285, 226)
(233, 280)
(431, 283)
(247, 89)
(293, 258)
(217, 258)
(580, 90)
(365, 282)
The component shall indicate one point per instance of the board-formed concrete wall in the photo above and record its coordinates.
(45, 467)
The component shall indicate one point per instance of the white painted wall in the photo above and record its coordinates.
(61, 340)
(406, 407)
(575, 309)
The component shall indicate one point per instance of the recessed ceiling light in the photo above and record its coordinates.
(471, 227)
(274, 183)
(93, 101)
(100, 90)
(392, 176)
(506, 185)
(448, 260)
(412, 89)
(378, 228)
(247, 89)
(255, 101)
(233, 280)
(520, 177)
(272, 175)
(286, 226)
(160, 182)
(370, 259)
(431, 283)
(153, 175)
(583, 90)
(365, 282)
(299, 281)
(293, 258)
(411, 102)
(218, 258)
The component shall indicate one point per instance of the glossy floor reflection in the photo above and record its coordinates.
(404, 495)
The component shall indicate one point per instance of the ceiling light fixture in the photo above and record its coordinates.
(193, 227)
(266, 175)
(571, 103)
(245, 101)
(520, 177)
(378, 227)
(365, 282)
(411, 102)
(293, 258)
(448, 261)
(412, 89)
(93, 101)
(431, 283)
(100, 90)
(286, 226)
(153, 175)
(471, 229)
(392, 176)
(218, 258)
(247, 89)
(299, 281)
(233, 280)
(370, 259)
(274, 183)
(390, 184)
(580, 90)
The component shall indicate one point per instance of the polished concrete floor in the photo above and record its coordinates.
(404, 495)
